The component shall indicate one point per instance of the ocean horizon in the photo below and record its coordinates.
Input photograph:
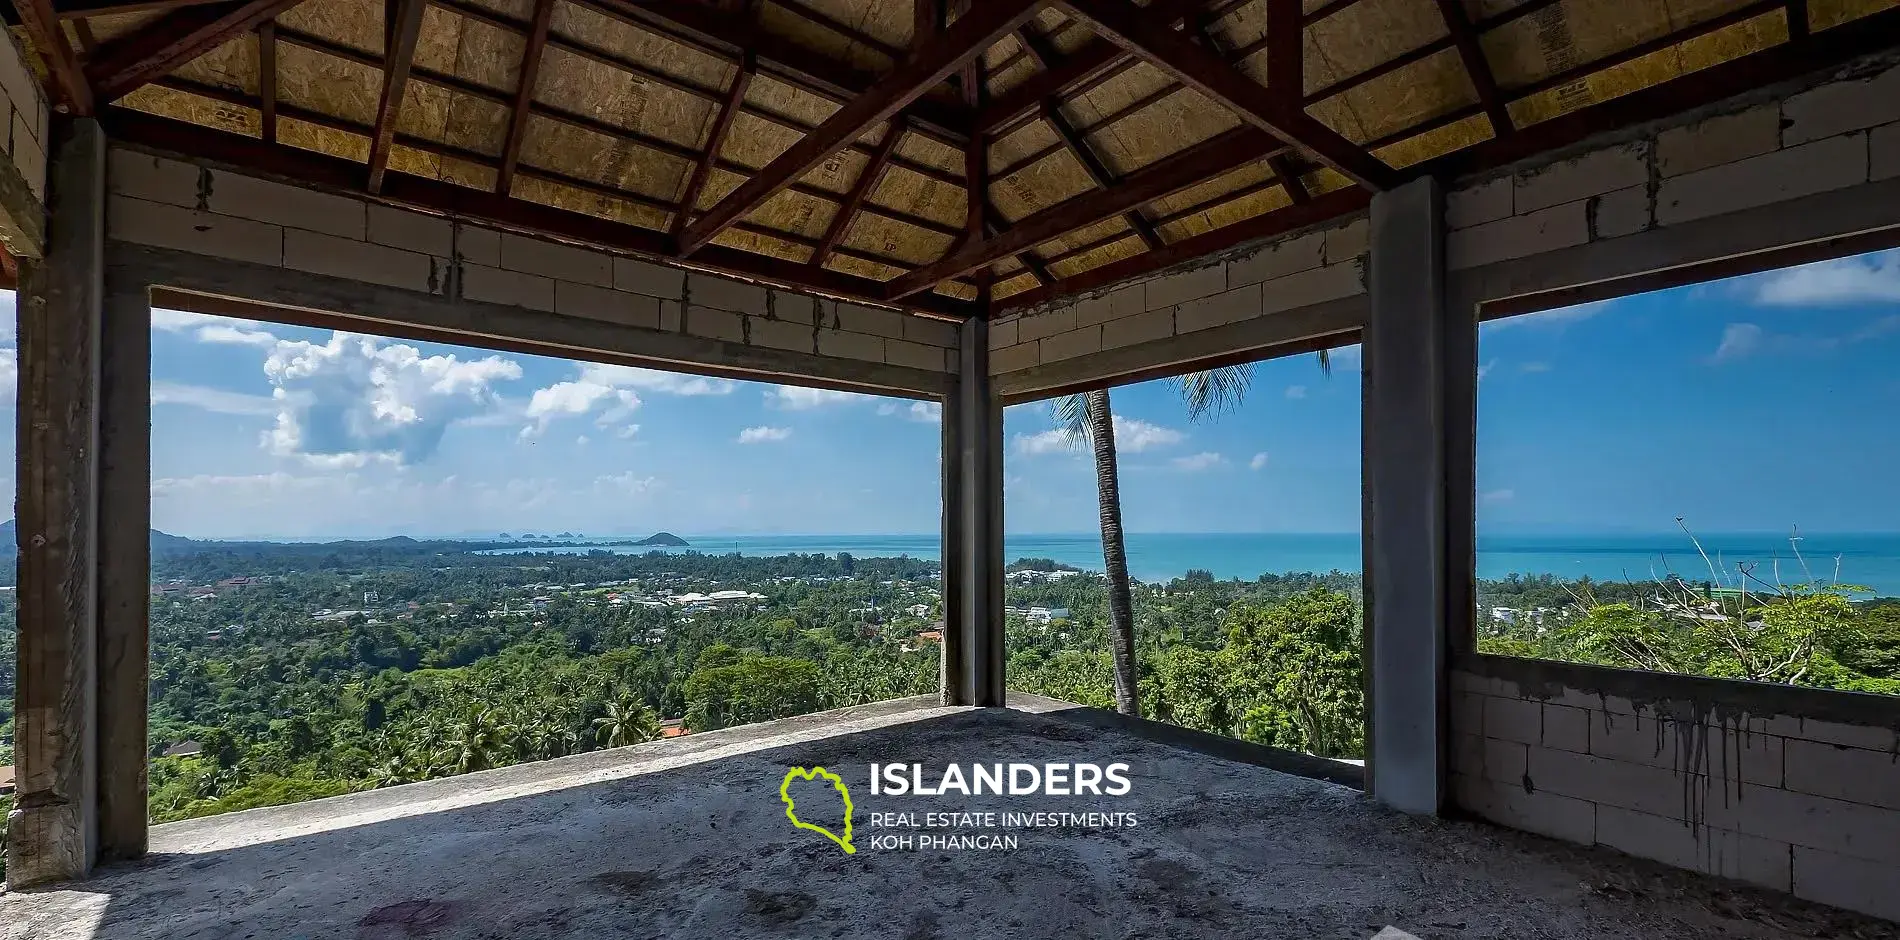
(1868, 560)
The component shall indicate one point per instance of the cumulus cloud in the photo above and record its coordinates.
(1873, 278)
(214, 400)
(799, 398)
(927, 411)
(1259, 461)
(1052, 441)
(356, 399)
(1738, 340)
(1135, 435)
(654, 380)
(763, 434)
(1485, 369)
(562, 399)
(210, 329)
(1201, 461)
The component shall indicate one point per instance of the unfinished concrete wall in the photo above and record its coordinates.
(23, 135)
(170, 204)
(1789, 788)
(1304, 285)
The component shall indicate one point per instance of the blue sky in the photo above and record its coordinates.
(1744, 405)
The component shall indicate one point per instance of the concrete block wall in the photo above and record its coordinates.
(1829, 137)
(172, 204)
(1298, 271)
(1715, 783)
(24, 112)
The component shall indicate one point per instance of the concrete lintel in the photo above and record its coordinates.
(1403, 426)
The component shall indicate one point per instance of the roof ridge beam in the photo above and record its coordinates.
(405, 28)
(934, 61)
(125, 64)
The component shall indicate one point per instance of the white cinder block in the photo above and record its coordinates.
(873, 320)
(1870, 737)
(1004, 333)
(155, 179)
(414, 231)
(1467, 754)
(1719, 852)
(1185, 286)
(1544, 813)
(1483, 685)
(713, 323)
(783, 334)
(899, 352)
(1658, 742)
(1851, 883)
(1312, 287)
(1141, 328)
(1476, 205)
(1844, 773)
(1885, 152)
(1094, 310)
(1278, 260)
(1785, 174)
(1225, 307)
(20, 87)
(1014, 357)
(937, 333)
(1566, 729)
(1724, 138)
(1127, 301)
(1467, 713)
(1506, 761)
(480, 245)
(1074, 343)
(671, 312)
(496, 286)
(706, 290)
(289, 206)
(1520, 235)
(794, 308)
(612, 306)
(1624, 212)
(649, 279)
(1654, 790)
(1592, 174)
(549, 259)
(1513, 719)
(361, 261)
(1348, 241)
(847, 345)
(205, 233)
(1855, 829)
(1046, 323)
(1839, 107)
(29, 157)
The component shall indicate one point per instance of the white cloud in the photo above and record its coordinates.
(800, 398)
(654, 380)
(214, 400)
(9, 375)
(579, 398)
(354, 399)
(763, 434)
(1747, 339)
(1134, 435)
(1485, 369)
(212, 329)
(1497, 496)
(1873, 278)
(1201, 461)
(219, 333)
(627, 483)
(927, 411)
(1738, 340)
(1259, 460)
(1296, 392)
(1052, 441)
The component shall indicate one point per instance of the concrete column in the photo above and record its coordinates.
(973, 528)
(53, 831)
(1404, 442)
(125, 565)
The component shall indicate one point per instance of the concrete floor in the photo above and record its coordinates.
(688, 838)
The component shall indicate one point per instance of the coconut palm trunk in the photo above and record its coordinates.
(1108, 490)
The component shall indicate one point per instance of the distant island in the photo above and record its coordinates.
(664, 539)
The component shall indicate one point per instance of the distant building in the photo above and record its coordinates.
(6, 780)
(371, 597)
(1045, 614)
(185, 749)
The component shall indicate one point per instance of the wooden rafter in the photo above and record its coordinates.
(405, 27)
(933, 62)
(1289, 180)
(1286, 52)
(1046, 55)
(173, 39)
(1078, 70)
(83, 9)
(524, 94)
(860, 191)
(1212, 157)
(1142, 32)
(715, 141)
(267, 78)
(74, 90)
(1483, 80)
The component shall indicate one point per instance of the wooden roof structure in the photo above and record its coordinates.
(833, 145)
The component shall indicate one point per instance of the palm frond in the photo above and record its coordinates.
(1072, 418)
(1214, 391)
(1326, 363)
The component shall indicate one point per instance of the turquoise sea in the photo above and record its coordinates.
(1871, 560)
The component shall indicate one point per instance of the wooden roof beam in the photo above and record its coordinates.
(267, 78)
(934, 61)
(715, 141)
(860, 190)
(524, 94)
(1209, 158)
(1078, 70)
(405, 27)
(173, 39)
(1483, 80)
(1145, 34)
(1289, 180)
(82, 9)
(73, 89)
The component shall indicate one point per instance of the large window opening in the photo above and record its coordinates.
(1698, 480)
(1239, 499)
(378, 561)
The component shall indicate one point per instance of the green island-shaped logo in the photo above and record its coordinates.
(791, 811)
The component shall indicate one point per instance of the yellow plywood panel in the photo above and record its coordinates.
(1827, 14)
(1436, 142)
(887, 22)
(796, 213)
(114, 25)
(1047, 182)
(846, 264)
(931, 152)
(807, 109)
(1013, 286)
(1657, 67)
(354, 23)
(472, 50)
(1031, 141)
(1576, 32)
(1366, 34)
(638, 45)
(233, 64)
(328, 85)
(1400, 99)
(1227, 213)
(1107, 254)
(513, 9)
(920, 195)
(323, 140)
(1212, 189)
(1106, 229)
(622, 99)
(183, 106)
(596, 204)
(894, 239)
(593, 157)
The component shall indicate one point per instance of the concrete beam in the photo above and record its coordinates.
(53, 830)
(973, 527)
(1404, 417)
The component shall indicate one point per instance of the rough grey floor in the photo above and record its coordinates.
(688, 839)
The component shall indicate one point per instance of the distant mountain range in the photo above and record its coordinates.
(165, 542)
(667, 539)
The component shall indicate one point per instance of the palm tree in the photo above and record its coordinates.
(477, 742)
(627, 722)
(1088, 417)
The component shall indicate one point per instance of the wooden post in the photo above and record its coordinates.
(124, 582)
(53, 830)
